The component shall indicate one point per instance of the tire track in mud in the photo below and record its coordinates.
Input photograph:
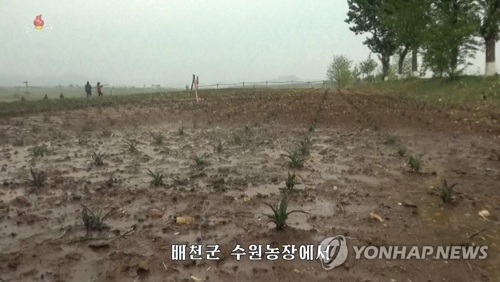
(385, 113)
(370, 120)
(333, 109)
(398, 113)
(321, 108)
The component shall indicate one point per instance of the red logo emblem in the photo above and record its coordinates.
(38, 22)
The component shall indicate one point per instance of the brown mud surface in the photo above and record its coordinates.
(352, 170)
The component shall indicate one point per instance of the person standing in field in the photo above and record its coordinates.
(88, 89)
(99, 87)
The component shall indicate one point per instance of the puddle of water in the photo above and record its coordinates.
(188, 237)
(84, 269)
(329, 176)
(253, 191)
(299, 221)
(7, 195)
(11, 243)
(443, 220)
(321, 208)
(121, 224)
(366, 179)
(434, 215)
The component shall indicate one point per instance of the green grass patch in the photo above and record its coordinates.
(466, 90)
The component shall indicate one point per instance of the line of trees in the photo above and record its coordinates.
(446, 33)
(343, 72)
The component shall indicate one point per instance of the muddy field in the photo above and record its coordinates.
(356, 165)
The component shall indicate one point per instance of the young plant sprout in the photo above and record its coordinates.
(415, 163)
(446, 193)
(156, 178)
(98, 159)
(295, 159)
(280, 213)
(37, 178)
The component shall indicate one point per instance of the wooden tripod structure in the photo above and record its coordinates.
(194, 84)
(27, 88)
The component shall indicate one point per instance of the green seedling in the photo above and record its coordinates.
(237, 140)
(93, 221)
(82, 141)
(40, 150)
(158, 138)
(391, 140)
(415, 163)
(304, 146)
(446, 193)
(220, 147)
(156, 178)
(200, 160)
(295, 159)
(181, 131)
(132, 146)
(98, 159)
(312, 127)
(291, 181)
(106, 133)
(37, 178)
(280, 213)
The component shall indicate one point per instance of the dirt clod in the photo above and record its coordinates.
(143, 266)
(155, 213)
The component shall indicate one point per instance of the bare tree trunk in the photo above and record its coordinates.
(490, 67)
(386, 64)
(414, 61)
(454, 63)
(402, 57)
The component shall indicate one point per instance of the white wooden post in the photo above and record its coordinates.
(196, 88)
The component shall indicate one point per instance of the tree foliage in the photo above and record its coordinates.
(364, 16)
(407, 19)
(449, 40)
(341, 71)
(400, 69)
(444, 31)
(489, 11)
(367, 67)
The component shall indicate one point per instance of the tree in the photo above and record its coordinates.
(341, 71)
(365, 16)
(490, 31)
(356, 73)
(449, 41)
(367, 67)
(399, 69)
(407, 20)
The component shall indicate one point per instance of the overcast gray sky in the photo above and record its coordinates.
(136, 42)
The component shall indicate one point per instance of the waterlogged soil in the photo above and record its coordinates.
(356, 165)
